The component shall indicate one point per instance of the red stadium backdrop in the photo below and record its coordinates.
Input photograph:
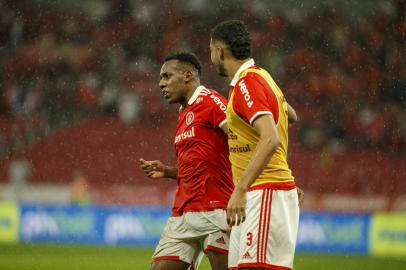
(79, 96)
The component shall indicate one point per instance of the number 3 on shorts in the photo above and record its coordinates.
(249, 238)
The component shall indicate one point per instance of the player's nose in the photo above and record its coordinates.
(162, 84)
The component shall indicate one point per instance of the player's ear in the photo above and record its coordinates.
(188, 75)
(221, 52)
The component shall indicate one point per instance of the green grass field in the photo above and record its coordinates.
(56, 257)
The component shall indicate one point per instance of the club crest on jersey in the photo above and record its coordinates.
(189, 118)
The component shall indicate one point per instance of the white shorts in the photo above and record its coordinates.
(186, 237)
(267, 238)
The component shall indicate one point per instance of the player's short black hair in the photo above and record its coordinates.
(186, 57)
(234, 33)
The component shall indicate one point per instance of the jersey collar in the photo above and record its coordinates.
(196, 94)
(250, 62)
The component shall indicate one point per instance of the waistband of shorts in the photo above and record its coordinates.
(274, 185)
(196, 209)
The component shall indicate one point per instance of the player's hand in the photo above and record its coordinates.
(300, 194)
(236, 207)
(153, 169)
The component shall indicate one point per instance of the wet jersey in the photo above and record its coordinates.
(204, 171)
(255, 93)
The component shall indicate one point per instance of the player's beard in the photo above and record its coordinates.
(222, 70)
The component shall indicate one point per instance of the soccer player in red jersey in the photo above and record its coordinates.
(203, 172)
(264, 208)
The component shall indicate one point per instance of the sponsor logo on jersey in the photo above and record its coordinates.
(246, 93)
(185, 135)
(231, 135)
(189, 118)
(218, 102)
(205, 92)
(240, 149)
(216, 99)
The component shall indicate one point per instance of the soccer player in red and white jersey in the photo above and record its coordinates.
(264, 206)
(203, 172)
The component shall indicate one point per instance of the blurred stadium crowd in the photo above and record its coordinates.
(93, 66)
(345, 75)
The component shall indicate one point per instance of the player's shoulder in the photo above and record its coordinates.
(213, 92)
(205, 92)
(252, 78)
(254, 74)
(212, 98)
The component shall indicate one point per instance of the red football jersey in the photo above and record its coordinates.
(204, 171)
(249, 104)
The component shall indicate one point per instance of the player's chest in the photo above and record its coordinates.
(190, 127)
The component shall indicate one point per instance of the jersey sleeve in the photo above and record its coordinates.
(218, 104)
(254, 97)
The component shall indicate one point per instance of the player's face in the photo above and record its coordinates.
(215, 55)
(172, 82)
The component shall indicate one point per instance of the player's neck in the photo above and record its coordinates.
(232, 67)
(189, 94)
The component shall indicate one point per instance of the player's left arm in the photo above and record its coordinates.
(266, 147)
(224, 127)
(292, 116)
(300, 195)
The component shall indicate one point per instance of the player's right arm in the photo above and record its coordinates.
(156, 169)
(224, 128)
(217, 105)
(292, 116)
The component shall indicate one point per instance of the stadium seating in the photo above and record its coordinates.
(107, 152)
(69, 63)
